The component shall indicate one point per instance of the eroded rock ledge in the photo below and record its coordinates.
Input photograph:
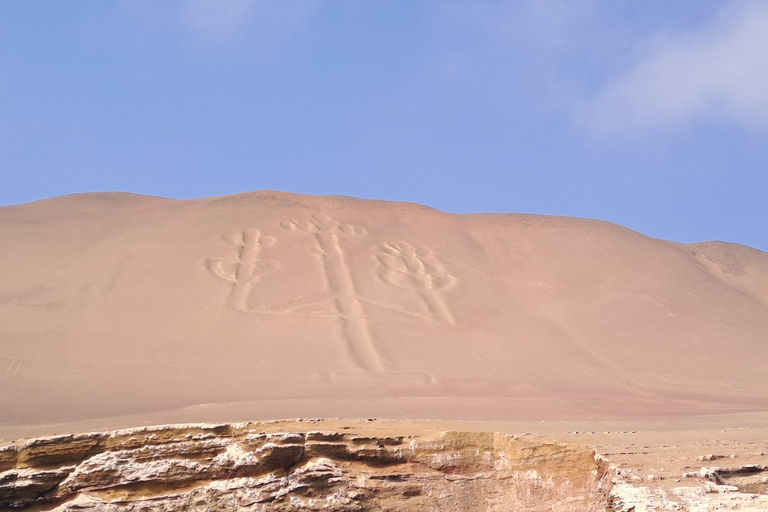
(713, 489)
(251, 466)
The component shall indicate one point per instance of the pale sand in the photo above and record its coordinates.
(119, 310)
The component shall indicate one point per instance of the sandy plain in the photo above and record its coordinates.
(118, 310)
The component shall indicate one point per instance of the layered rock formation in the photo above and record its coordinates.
(253, 467)
(296, 465)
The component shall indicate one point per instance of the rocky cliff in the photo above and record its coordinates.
(254, 466)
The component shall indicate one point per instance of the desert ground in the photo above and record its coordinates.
(120, 310)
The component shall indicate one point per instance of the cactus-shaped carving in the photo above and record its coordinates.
(322, 225)
(405, 266)
(245, 268)
(355, 328)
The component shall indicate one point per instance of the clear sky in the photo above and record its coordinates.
(652, 114)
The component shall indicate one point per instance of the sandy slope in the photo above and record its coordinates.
(269, 304)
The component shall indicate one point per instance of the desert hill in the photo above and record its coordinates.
(269, 304)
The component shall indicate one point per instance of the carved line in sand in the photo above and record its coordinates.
(405, 266)
(14, 365)
(355, 327)
(402, 265)
(246, 268)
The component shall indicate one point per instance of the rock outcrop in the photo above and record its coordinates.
(252, 467)
(742, 488)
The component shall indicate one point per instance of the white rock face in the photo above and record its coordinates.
(708, 497)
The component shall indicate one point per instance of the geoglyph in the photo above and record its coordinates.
(404, 265)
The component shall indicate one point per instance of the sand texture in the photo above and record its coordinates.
(140, 310)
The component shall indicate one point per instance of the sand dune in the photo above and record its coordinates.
(274, 304)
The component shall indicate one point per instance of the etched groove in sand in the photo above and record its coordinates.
(354, 324)
(13, 367)
(401, 264)
(246, 268)
(405, 266)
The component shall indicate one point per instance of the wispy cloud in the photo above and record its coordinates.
(547, 50)
(217, 18)
(550, 25)
(619, 70)
(223, 21)
(716, 73)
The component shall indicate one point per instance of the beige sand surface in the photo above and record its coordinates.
(120, 310)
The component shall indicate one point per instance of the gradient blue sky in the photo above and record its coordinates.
(652, 114)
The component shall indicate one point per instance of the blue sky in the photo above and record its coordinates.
(650, 114)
